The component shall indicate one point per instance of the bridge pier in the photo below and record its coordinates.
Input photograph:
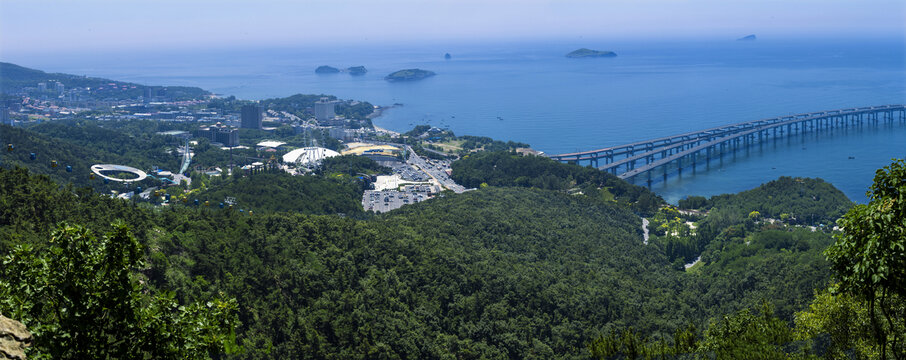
(694, 162)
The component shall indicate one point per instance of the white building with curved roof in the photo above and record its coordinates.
(308, 156)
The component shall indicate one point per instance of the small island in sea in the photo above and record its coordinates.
(589, 53)
(747, 38)
(409, 75)
(447, 56)
(356, 70)
(324, 69)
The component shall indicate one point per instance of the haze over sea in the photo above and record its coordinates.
(559, 105)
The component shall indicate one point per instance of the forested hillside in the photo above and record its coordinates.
(495, 273)
(80, 156)
(503, 168)
(860, 315)
(142, 150)
(279, 191)
(14, 78)
(795, 200)
(351, 165)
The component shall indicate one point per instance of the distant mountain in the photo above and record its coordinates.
(589, 53)
(747, 38)
(409, 75)
(15, 78)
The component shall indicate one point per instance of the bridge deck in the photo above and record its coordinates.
(725, 139)
(719, 131)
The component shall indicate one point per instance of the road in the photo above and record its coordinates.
(645, 230)
(439, 176)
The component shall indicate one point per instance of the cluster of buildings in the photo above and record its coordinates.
(219, 133)
(55, 86)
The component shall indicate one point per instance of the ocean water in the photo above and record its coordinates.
(529, 91)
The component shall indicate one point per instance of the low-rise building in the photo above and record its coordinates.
(220, 133)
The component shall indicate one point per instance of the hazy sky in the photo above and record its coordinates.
(29, 26)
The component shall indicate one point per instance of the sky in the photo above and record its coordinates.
(49, 26)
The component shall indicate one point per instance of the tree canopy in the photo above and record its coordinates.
(81, 298)
(508, 169)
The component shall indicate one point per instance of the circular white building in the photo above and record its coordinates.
(100, 169)
(308, 156)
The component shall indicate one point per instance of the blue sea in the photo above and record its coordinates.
(528, 91)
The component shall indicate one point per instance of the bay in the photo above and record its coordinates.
(529, 91)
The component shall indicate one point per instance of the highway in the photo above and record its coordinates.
(439, 176)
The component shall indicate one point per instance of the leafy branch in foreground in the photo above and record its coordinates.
(81, 298)
(870, 257)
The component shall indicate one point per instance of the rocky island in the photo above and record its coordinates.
(324, 69)
(356, 70)
(447, 56)
(589, 53)
(747, 38)
(409, 75)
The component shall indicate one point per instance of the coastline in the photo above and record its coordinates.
(376, 114)
(385, 131)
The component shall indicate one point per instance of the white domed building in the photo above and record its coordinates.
(308, 156)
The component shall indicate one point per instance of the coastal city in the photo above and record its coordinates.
(294, 135)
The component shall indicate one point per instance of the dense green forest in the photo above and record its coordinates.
(860, 315)
(544, 260)
(65, 153)
(789, 201)
(142, 150)
(498, 272)
(278, 191)
(508, 169)
(335, 188)
(794, 200)
(351, 165)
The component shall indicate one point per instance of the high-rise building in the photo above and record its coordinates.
(325, 109)
(42, 86)
(251, 116)
(148, 94)
(60, 87)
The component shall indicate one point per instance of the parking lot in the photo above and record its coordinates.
(409, 173)
(386, 200)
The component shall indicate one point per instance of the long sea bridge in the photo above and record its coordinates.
(687, 150)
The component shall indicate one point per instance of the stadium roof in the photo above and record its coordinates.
(308, 155)
(271, 143)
